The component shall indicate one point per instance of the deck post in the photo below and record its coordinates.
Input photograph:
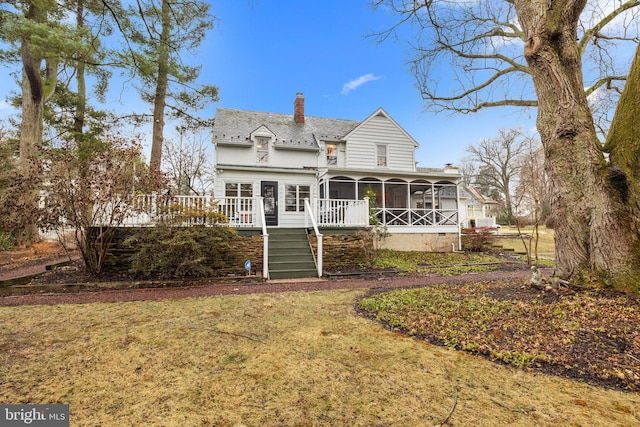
(319, 237)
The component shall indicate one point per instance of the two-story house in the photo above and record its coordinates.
(283, 159)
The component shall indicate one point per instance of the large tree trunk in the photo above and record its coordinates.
(623, 145)
(161, 89)
(30, 141)
(78, 120)
(593, 237)
(35, 92)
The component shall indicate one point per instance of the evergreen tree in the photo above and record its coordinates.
(163, 31)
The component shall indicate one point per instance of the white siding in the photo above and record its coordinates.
(235, 155)
(285, 219)
(361, 146)
(237, 177)
(292, 158)
(246, 156)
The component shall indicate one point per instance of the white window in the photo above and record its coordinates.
(262, 149)
(239, 204)
(332, 154)
(235, 189)
(294, 197)
(382, 155)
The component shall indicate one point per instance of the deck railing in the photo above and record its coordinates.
(341, 213)
(310, 217)
(152, 209)
(417, 217)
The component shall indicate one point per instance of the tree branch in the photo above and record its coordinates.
(453, 408)
(604, 81)
(595, 30)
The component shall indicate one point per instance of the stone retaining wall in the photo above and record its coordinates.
(343, 247)
(245, 247)
(348, 248)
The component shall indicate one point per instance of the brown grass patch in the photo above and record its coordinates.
(270, 360)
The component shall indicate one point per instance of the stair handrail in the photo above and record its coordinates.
(265, 240)
(309, 214)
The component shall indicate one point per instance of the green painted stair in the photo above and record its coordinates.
(290, 254)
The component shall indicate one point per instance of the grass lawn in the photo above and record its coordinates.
(508, 239)
(289, 359)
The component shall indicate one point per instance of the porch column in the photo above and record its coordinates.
(458, 216)
(384, 204)
(433, 202)
(355, 189)
(384, 196)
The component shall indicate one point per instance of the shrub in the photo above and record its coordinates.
(477, 239)
(178, 252)
(7, 242)
(549, 222)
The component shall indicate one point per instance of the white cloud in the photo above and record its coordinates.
(354, 84)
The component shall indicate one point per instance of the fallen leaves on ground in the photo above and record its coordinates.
(591, 336)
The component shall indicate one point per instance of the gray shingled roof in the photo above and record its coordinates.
(235, 126)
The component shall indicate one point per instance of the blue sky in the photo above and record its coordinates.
(262, 52)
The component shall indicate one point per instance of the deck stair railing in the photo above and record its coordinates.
(341, 212)
(265, 240)
(310, 217)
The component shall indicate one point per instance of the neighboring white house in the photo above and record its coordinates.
(476, 210)
(287, 158)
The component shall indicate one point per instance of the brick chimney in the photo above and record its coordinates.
(298, 108)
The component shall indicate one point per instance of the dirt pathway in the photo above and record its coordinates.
(202, 288)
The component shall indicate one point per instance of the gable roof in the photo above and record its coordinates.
(234, 127)
(381, 113)
(475, 193)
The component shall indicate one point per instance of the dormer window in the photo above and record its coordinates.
(381, 151)
(262, 149)
(332, 154)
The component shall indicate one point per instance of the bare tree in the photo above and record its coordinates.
(483, 43)
(469, 171)
(498, 165)
(188, 164)
(500, 51)
(532, 188)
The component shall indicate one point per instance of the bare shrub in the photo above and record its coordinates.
(90, 185)
(478, 239)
